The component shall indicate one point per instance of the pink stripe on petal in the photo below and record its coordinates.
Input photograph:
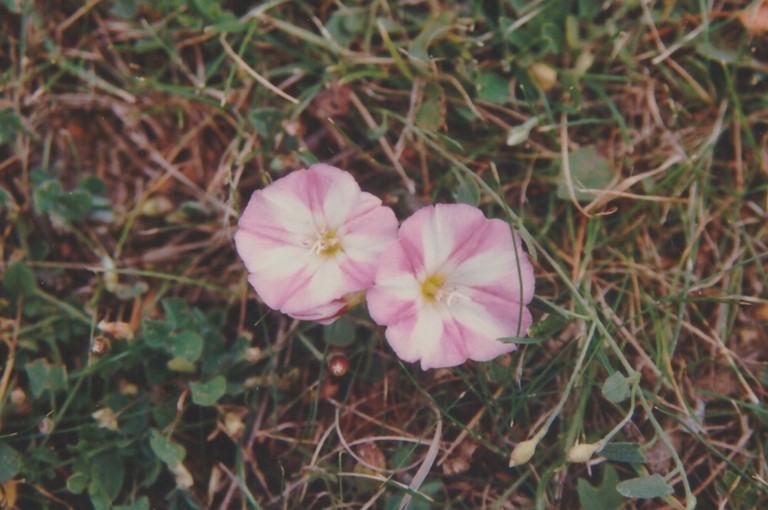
(387, 308)
(338, 193)
(452, 350)
(467, 338)
(493, 316)
(277, 206)
(417, 336)
(325, 283)
(276, 293)
(370, 219)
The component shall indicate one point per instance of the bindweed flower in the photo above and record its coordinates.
(311, 240)
(451, 285)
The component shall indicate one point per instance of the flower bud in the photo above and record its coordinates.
(253, 354)
(99, 346)
(106, 418)
(18, 396)
(523, 452)
(338, 365)
(543, 74)
(45, 426)
(583, 452)
(182, 476)
(119, 330)
(128, 388)
(233, 425)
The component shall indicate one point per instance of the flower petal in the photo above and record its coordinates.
(482, 324)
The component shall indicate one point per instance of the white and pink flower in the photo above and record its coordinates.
(451, 285)
(311, 240)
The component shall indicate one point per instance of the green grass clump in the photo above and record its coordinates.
(626, 142)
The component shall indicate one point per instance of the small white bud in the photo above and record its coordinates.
(583, 452)
(523, 452)
(233, 425)
(18, 396)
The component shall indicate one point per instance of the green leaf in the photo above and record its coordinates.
(523, 339)
(93, 185)
(140, 504)
(623, 452)
(124, 9)
(603, 496)
(10, 124)
(166, 450)
(468, 191)
(616, 387)
(341, 333)
(589, 170)
(266, 121)
(492, 87)
(177, 312)
(109, 469)
(186, 344)
(77, 482)
(206, 394)
(156, 333)
(98, 494)
(431, 114)
(433, 29)
(10, 462)
(45, 376)
(548, 326)
(46, 195)
(19, 280)
(179, 364)
(13, 6)
(345, 25)
(6, 200)
(643, 487)
(75, 204)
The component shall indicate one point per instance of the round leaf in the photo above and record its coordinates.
(643, 487)
(206, 394)
(10, 462)
(166, 450)
(616, 387)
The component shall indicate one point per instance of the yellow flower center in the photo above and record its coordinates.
(325, 243)
(434, 289)
(430, 287)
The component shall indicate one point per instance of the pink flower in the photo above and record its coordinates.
(451, 286)
(311, 239)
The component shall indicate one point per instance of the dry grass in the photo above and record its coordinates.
(181, 109)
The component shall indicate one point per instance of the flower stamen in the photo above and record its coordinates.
(324, 243)
(434, 289)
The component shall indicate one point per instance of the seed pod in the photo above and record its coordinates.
(338, 365)
(99, 346)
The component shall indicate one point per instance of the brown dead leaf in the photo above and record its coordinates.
(755, 18)
(658, 456)
(460, 462)
(371, 455)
